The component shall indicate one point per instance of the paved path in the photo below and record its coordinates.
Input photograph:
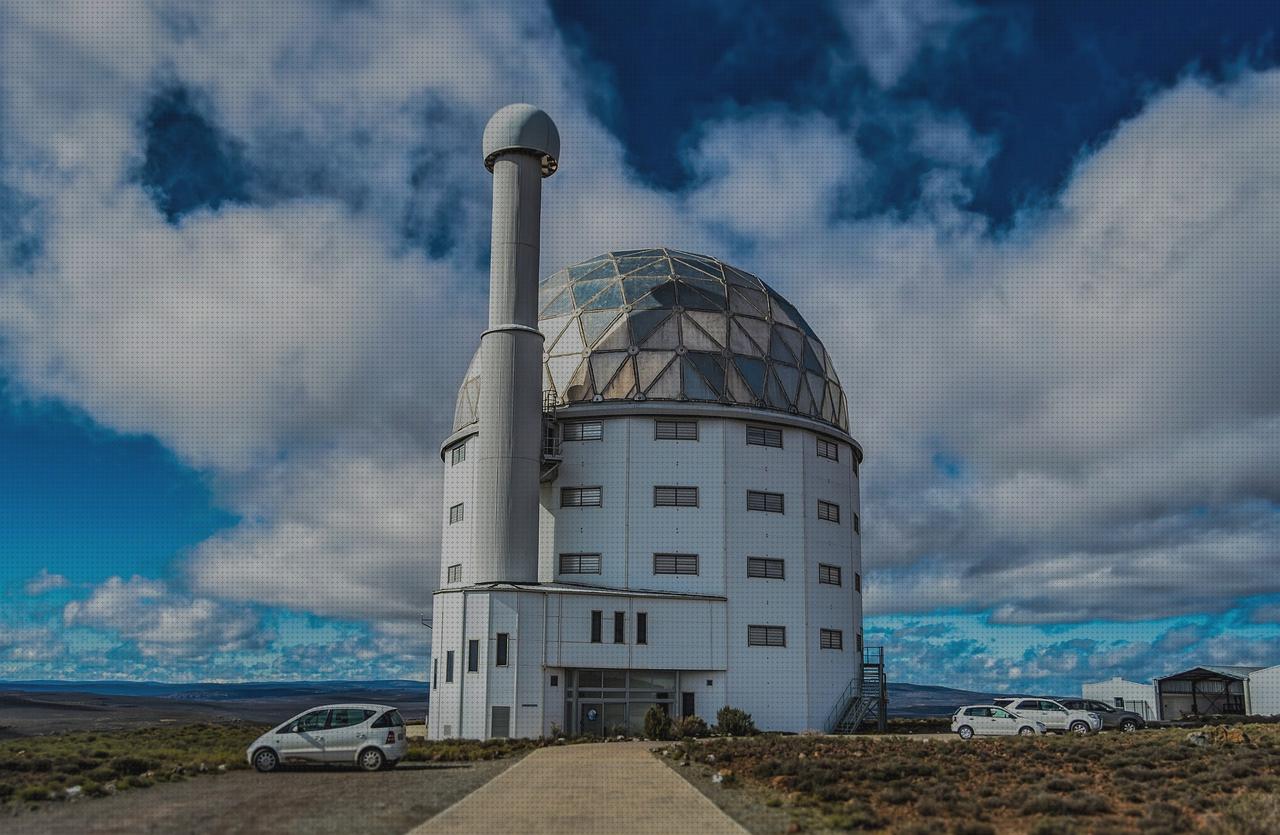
(617, 787)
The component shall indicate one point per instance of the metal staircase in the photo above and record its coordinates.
(551, 437)
(865, 699)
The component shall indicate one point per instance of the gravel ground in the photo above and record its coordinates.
(744, 807)
(318, 800)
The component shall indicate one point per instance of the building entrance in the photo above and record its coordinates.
(611, 702)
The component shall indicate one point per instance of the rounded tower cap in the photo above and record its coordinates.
(522, 128)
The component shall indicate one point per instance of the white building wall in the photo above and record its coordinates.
(458, 488)
(1264, 692)
(1118, 688)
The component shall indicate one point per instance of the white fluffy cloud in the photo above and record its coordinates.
(43, 582)
(889, 35)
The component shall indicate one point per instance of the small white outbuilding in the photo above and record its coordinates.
(1264, 692)
(1124, 694)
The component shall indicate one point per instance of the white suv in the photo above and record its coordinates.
(370, 736)
(1054, 716)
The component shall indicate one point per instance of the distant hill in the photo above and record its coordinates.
(915, 700)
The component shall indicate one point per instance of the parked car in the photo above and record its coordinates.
(1054, 715)
(991, 720)
(369, 736)
(1112, 717)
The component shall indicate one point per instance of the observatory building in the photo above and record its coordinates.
(650, 493)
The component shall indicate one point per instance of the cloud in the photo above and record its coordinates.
(889, 35)
(45, 582)
(164, 624)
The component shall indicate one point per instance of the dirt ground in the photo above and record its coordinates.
(318, 800)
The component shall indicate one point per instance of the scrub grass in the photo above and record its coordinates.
(84, 764)
(1222, 781)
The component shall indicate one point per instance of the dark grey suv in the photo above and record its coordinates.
(1112, 717)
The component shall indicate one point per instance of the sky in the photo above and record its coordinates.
(243, 262)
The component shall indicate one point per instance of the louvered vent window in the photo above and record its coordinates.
(675, 430)
(828, 512)
(832, 639)
(675, 497)
(455, 573)
(675, 563)
(767, 502)
(766, 568)
(764, 436)
(581, 496)
(579, 563)
(766, 636)
(829, 574)
(828, 449)
(583, 430)
(455, 514)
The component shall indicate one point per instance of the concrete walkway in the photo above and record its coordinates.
(615, 787)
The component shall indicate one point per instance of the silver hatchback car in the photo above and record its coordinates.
(369, 736)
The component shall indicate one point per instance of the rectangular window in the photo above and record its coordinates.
(767, 502)
(619, 627)
(584, 430)
(828, 512)
(581, 496)
(855, 466)
(435, 673)
(831, 639)
(455, 513)
(764, 436)
(675, 430)
(500, 649)
(675, 497)
(859, 642)
(829, 574)
(675, 563)
(766, 636)
(828, 449)
(473, 656)
(448, 666)
(597, 626)
(857, 581)
(642, 627)
(457, 455)
(455, 573)
(857, 524)
(769, 569)
(579, 563)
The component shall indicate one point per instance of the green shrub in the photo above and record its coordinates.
(692, 727)
(657, 724)
(732, 721)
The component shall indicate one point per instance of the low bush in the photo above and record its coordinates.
(692, 727)
(731, 721)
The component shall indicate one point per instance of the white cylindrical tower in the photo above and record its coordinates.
(521, 146)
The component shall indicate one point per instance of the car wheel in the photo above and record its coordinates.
(266, 760)
(965, 732)
(371, 759)
(1128, 726)
(1081, 728)
(1026, 730)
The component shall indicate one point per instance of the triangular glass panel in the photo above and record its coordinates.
(623, 384)
(560, 305)
(694, 339)
(610, 297)
(737, 276)
(794, 315)
(634, 288)
(660, 267)
(817, 386)
(665, 294)
(665, 336)
(584, 291)
(774, 394)
(842, 413)
(695, 388)
(628, 264)
(758, 331)
(740, 343)
(829, 407)
(596, 322)
(570, 341)
(644, 322)
(737, 389)
(604, 366)
(811, 361)
(715, 324)
(551, 330)
(617, 338)
(579, 388)
(778, 348)
(581, 271)
(805, 401)
(649, 365)
(693, 300)
(562, 369)
(711, 368)
(752, 371)
(793, 339)
(748, 301)
(550, 283)
(780, 315)
(604, 269)
(790, 379)
(667, 386)
(695, 268)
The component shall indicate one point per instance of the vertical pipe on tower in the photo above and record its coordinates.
(521, 146)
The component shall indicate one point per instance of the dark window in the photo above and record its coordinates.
(828, 449)
(390, 719)
(597, 626)
(675, 430)
(619, 628)
(579, 563)
(455, 573)
(828, 512)
(978, 711)
(831, 639)
(584, 430)
(764, 436)
(767, 502)
(581, 496)
(435, 673)
(859, 642)
(855, 467)
(500, 726)
(458, 454)
(675, 563)
(770, 569)
(829, 574)
(345, 717)
(857, 581)
(314, 721)
(766, 636)
(473, 656)
(642, 627)
(455, 513)
(500, 650)
(675, 497)
(448, 666)
(555, 681)
(857, 524)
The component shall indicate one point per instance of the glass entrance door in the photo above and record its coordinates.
(591, 719)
